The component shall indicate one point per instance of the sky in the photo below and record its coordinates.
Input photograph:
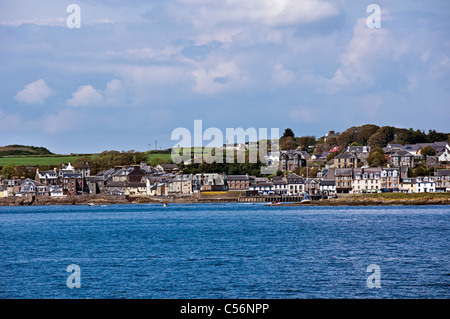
(137, 70)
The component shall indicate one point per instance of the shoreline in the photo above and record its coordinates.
(353, 200)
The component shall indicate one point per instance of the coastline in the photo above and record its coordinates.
(352, 200)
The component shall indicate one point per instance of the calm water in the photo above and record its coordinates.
(224, 251)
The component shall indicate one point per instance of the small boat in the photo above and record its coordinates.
(306, 200)
(276, 202)
(92, 205)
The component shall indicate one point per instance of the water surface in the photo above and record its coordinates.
(224, 251)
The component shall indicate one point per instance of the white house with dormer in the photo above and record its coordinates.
(425, 184)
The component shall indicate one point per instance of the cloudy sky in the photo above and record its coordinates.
(136, 70)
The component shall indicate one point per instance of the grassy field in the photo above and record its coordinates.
(38, 160)
(56, 160)
(163, 156)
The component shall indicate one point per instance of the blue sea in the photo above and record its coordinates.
(224, 251)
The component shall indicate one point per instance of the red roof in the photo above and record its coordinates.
(334, 149)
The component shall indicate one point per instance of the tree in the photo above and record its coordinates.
(7, 170)
(288, 132)
(158, 160)
(305, 141)
(376, 157)
(332, 155)
(288, 143)
(427, 151)
(382, 137)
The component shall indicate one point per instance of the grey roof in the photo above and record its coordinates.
(327, 182)
(345, 155)
(442, 172)
(238, 177)
(343, 172)
(402, 153)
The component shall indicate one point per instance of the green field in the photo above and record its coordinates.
(56, 160)
(162, 156)
(38, 160)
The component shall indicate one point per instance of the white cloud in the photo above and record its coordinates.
(366, 57)
(88, 96)
(85, 95)
(41, 22)
(114, 93)
(223, 76)
(219, 35)
(282, 76)
(266, 12)
(34, 93)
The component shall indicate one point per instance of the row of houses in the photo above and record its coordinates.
(346, 173)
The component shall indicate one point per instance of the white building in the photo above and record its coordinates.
(425, 184)
(366, 180)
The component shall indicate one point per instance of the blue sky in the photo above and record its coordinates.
(137, 70)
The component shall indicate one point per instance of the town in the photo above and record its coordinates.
(353, 169)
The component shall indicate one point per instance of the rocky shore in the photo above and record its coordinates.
(359, 200)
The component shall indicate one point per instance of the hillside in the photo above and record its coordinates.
(13, 150)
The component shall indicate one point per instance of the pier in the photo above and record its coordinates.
(271, 198)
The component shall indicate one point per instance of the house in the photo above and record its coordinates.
(327, 187)
(96, 184)
(433, 161)
(207, 182)
(343, 180)
(408, 185)
(115, 188)
(329, 135)
(291, 160)
(162, 188)
(444, 156)
(401, 158)
(361, 152)
(390, 179)
(3, 192)
(442, 180)
(47, 177)
(262, 186)
(280, 186)
(135, 189)
(56, 191)
(181, 184)
(327, 181)
(167, 168)
(238, 182)
(425, 184)
(312, 185)
(83, 169)
(367, 180)
(30, 187)
(345, 160)
(12, 187)
(73, 183)
(295, 184)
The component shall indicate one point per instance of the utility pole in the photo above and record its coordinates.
(156, 145)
